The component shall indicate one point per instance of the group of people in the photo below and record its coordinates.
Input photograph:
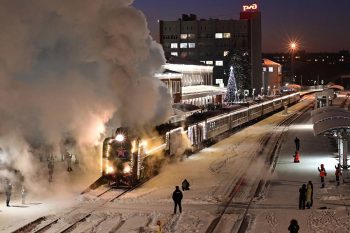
(177, 195)
(50, 165)
(8, 192)
(306, 193)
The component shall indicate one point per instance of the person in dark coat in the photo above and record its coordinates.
(8, 192)
(293, 227)
(185, 185)
(337, 174)
(302, 197)
(177, 197)
(297, 143)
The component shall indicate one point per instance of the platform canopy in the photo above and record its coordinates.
(330, 120)
(338, 87)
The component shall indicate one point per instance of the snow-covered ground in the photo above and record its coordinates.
(212, 173)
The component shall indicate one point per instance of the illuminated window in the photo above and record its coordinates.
(174, 54)
(191, 36)
(183, 45)
(209, 62)
(203, 62)
(270, 69)
(183, 36)
(173, 45)
(219, 63)
(218, 35)
(264, 69)
(227, 35)
(226, 53)
(191, 45)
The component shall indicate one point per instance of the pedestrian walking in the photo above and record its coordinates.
(23, 194)
(302, 197)
(50, 166)
(293, 227)
(185, 185)
(177, 197)
(309, 192)
(8, 191)
(337, 173)
(323, 174)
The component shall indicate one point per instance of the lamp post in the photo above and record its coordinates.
(292, 47)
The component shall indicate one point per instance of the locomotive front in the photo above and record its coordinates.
(121, 158)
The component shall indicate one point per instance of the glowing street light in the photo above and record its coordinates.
(293, 46)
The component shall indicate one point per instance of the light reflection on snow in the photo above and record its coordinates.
(302, 127)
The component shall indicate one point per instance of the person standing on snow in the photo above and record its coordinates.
(293, 227)
(177, 197)
(323, 173)
(309, 192)
(23, 194)
(302, 197)
(8, 191)
(297, 143)
(50, 166)
(69, 161)
(337, 173)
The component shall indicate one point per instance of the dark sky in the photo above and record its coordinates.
(318, 25)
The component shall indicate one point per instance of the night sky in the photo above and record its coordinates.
(319, 26)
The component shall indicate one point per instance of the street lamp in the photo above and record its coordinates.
(293, 46)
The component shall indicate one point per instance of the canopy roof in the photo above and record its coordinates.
(330, 119)
(338, 87)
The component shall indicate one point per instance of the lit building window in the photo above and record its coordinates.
(227, 35)
(226, 53)
(191, 45)
(209, 62)
(219, 63)
(218, 35)
(191, 36)
(173, 45)
(174, 54)
(264, 69)
(183, 45)
(270, 69)
(183, 36)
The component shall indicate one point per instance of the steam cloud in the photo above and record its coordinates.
(69, 67)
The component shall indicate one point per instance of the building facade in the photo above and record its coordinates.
(272, 77)
(210, 40)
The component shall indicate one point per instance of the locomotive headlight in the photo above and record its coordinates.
(127, 168)
(110, 170)
(119, 137)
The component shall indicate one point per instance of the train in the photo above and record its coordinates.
(124, 157)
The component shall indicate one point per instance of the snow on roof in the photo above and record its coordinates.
(270, 63)
(337, 87)
(328, 109)
(202, 90)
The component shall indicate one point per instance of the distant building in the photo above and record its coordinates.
(312, 68)
(272, 76)
(191, 83)
(210, 40)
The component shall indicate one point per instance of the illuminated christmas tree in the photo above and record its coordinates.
(231, 88)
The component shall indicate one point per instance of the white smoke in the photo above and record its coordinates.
(68, 67)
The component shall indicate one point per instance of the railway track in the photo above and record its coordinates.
(271, 159)
(43, 224)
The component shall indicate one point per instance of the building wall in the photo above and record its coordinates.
(209, 41)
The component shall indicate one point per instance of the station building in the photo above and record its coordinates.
(210, 40)
(272, 77)
(191, 82)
